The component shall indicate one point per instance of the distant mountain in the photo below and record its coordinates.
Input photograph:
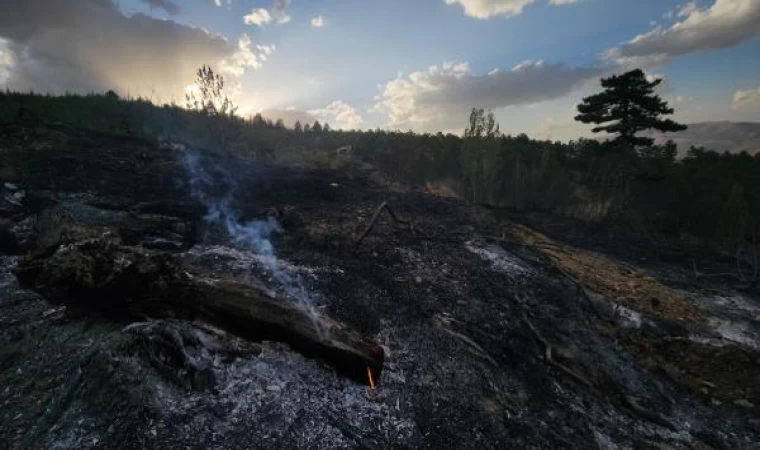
(719, 136)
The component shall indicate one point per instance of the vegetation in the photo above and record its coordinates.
(629, 102)
(703, 195)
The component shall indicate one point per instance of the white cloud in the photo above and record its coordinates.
(562, 2)
(724, 24)
(484, 9)
(687, 9)
(318, 22)
(745, 98)
(258, 17)
(340, 115)
(245, 56)
(265, 51)
(441, 97)
(277, 13)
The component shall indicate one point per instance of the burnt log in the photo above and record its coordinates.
(102, 274)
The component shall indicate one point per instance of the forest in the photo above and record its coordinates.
(705, 197)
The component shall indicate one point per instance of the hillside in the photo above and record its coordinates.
(496, 330)
(719, 136)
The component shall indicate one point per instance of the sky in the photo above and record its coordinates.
(398, 64)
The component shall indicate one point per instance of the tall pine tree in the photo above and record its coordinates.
(627, 106)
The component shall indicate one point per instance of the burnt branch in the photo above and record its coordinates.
(408, 224)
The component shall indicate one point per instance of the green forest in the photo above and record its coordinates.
(705, 196)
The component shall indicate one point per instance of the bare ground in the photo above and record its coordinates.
(497, 334)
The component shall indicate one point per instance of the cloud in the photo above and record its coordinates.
(258, 17)
(484, 9)
(167, 5)
(245, 56)
(687, 9)
(562, 2)
(219, 3)
(745, 98)
(6, 61)
(89, 45)
(279, 11)
(441, 97)
(318, 22)
(724, 24)
(340, 115)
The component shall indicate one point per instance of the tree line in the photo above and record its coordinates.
(711, 196)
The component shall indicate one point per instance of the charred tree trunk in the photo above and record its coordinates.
(129, 282)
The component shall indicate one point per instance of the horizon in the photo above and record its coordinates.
(396, 66)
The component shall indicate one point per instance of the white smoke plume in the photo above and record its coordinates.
(255, 235)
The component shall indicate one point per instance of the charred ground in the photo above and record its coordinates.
(496, 334)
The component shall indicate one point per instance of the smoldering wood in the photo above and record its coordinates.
(130, 282)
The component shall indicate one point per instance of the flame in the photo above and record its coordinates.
(371, 380)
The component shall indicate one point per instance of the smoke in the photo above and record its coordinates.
(255, 235)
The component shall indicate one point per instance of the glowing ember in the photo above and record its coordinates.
(371, 380)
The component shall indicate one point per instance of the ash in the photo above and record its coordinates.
(466, 323)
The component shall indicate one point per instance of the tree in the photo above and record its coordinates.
(258, 121)
(480, 150)
(627, 106)
(326, 128)
(279, 124)
(306, 128)
(317, 127)
(209, 97)
(734, 219)
(298, 127)
(482, 125)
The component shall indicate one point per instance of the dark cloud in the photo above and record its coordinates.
(90, 45)
(441, 96)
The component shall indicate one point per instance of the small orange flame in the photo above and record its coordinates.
(371, 380)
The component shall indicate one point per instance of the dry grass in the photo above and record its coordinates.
(441, 190)
(613, 279)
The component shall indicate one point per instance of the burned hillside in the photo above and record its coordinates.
(479, 329)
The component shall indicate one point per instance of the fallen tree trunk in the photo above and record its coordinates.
(128, 282)
(257, 314)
